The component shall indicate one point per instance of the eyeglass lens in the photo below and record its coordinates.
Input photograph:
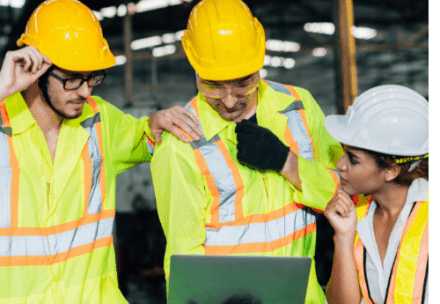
(75, 83)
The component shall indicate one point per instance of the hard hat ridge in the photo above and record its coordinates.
(69, 34)
(223, 40)
(389, 119)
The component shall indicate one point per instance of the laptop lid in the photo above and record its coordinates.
(208, 279)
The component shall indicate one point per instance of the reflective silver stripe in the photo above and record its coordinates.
(278, 87)
(295, 123)
(58, 243)
(299, 134)
(297, 105)
(149, 146)
(223, 179)
(95, 197)
(4, 129)
(260, 232)
(5, 179)
(336, 172)
(5, 183)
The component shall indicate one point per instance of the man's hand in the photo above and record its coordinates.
(341, 214)
(20, 69)
(171, 120)
(259, 147)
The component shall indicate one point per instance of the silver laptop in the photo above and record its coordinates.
(209, 279)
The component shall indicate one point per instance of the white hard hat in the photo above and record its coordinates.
(388, 119)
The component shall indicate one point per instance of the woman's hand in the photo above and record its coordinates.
(341, 214)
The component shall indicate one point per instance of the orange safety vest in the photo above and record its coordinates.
(229, 232)
(44, 246)
(407, 283)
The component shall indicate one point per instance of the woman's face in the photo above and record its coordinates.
(359, 172)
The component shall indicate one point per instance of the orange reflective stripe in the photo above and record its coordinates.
(263, 218)
(392, 284)
(15, 178)
(359, 259)
(403, 284)
(293, 92)
(301, 111)
(87, 176)
(193, 103)
(184, 133)
(237, 179)
(422, 262)
(44, 231)
(290, 141)
(261, 247)
(38, 260)
(93, 104)
(215, 206)
(336, 181)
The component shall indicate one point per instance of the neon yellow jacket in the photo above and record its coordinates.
(55, 235)
(185, 201)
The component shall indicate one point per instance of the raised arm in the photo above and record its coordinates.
(343, 287)
(20, 69)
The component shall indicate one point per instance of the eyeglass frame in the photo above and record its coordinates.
(64, 80)
(252, 81)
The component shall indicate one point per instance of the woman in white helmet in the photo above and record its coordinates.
(380, 211)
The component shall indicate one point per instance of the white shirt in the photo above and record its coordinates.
(378, 275)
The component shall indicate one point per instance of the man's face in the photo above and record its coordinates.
(234, 99)
(67, 100)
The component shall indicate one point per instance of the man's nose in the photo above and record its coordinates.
(229, 100)
(84, 90)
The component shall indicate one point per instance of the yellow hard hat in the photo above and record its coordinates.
(223, 40)
(69, 34)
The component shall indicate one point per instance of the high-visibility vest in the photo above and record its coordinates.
(407, 283)
(38, 247)
(228, 231)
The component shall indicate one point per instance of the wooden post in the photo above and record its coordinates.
(346, 86)
(128, 68)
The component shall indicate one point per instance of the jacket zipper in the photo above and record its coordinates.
(265, 184)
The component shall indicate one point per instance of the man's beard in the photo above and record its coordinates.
(48, 100)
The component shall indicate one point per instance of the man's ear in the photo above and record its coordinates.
(392, 172)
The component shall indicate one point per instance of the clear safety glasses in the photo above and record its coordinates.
(221, 89)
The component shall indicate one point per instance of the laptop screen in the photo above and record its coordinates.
(208, 279)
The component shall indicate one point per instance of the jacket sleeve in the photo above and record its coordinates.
(125, 136)
(319, 180)
(180, 197)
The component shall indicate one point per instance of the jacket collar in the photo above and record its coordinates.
(21, 117)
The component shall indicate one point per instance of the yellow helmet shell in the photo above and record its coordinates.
(223, 40)
(69, 34)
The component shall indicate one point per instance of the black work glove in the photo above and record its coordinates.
(258, 147)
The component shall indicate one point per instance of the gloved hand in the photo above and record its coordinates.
(258, 147)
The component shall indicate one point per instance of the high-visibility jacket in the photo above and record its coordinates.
(56, 217)
(407, 283)
(210, 203)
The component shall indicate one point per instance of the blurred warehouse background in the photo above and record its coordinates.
(305, 41)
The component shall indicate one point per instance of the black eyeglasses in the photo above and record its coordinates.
(76, 82)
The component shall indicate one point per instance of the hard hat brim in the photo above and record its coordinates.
(337, 127)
